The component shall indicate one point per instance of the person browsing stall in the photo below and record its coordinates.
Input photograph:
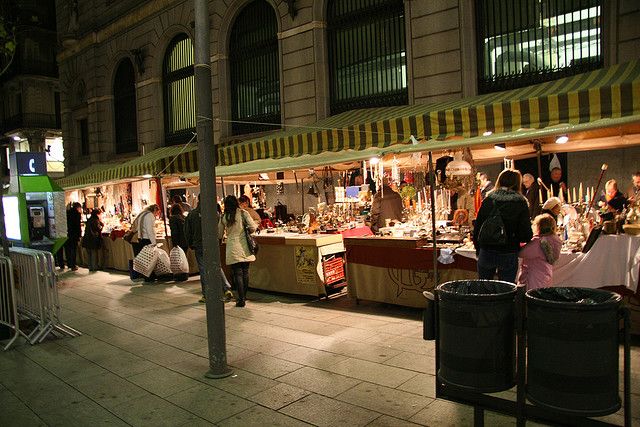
(530, 191)
(245, 203)
(387, 204)
(633, 193)
(501, 226)
(539, 255)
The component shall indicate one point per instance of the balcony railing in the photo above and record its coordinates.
(33, 68)
(31, 120)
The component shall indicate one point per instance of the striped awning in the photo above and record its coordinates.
(174, 160)
(609, 93)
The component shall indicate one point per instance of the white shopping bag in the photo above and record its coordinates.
(163, 266)
(179, 262)
(145, 262)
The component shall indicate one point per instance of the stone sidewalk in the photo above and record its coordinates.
(296, 361)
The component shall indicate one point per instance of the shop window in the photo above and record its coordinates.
(83, 130)
(367, 54)
(179, 94)
(255, 75)
(124, 104)
(533, 41)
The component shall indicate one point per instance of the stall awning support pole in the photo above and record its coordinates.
(163, 209)
(208, 198)
(432, 184)
(224, 194)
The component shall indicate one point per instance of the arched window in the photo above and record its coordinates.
(367, 55)
(255, 76)
(124, 105)
(179, 95)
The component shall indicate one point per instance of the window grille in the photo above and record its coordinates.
(179, 94)
(255, 75)
(533, 41)
(367, 54)
(124, 100)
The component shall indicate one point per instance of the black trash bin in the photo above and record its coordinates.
(476, 334)
(572, 359)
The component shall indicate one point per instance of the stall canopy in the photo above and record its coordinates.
(598, 99)
(603, 97)
(172, 160)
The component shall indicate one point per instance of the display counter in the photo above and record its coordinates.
(397, 270)
(303, 264)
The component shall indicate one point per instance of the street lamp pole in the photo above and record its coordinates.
(208, 198)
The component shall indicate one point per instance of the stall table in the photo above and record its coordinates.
(397, 270)
(297, 263)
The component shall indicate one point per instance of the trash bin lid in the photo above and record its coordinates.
(569, 297)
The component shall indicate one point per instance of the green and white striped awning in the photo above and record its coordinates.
(174, 160)
(604, 95)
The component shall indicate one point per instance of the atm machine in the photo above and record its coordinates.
(34, 208)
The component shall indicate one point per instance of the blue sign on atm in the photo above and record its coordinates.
(30, 163)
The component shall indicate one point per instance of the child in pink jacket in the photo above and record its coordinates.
(539, 255)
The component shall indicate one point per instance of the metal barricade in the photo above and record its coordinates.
(8, 309)
(37, 293)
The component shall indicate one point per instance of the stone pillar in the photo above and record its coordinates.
(36, 140)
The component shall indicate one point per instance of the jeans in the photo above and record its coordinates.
(70, 250)
(201, 268)
(240, 278)
(93, 259)
(506, 263)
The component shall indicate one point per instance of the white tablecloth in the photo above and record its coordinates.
(614, 260)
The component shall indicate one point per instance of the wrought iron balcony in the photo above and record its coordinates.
(30, 121)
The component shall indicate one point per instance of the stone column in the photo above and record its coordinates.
(36, 140)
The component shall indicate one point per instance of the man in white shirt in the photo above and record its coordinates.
(145, 223)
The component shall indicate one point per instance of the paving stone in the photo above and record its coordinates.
(387, 421)
(259, 416)
(163, 382)
(312, 357)
(369, 352)
(422, 384)
(385, 400)
(444, 413)
(322, 411)
(109, 390)
(210, 403)
(15, 412)
(153, 411)
(319, 381)
(413, 362)
(372, 372)
(85, 413)
(243, 383)
(279, 396)
(267, 366)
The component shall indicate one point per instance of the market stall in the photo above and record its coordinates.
(396, 270)
(300, 264)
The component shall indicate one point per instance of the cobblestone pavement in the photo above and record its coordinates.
(296, 361)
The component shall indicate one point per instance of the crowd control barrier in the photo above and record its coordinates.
(36, 293)
(8, 309)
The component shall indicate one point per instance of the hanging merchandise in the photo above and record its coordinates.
(395, 170)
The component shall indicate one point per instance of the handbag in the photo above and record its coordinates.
(251, 241)
(130, 235)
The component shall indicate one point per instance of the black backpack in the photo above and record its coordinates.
(492, 232)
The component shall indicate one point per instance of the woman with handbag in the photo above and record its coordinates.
(92, 239)
(238, 225)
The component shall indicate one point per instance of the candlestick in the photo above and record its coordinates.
(574, 195)
(568, 196)
(551, 188)
(364, 171)
(580, 192)
(561, 195)
(548, 194)
(540, 195)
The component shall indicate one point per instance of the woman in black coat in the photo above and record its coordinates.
(176, 223)
(495, 252)
(92, 239)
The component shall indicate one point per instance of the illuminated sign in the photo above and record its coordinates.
(29, 163)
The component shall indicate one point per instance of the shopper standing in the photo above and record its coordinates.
(92, 239)
(176, 224)
(238, 256)
(504, 209)
(74, 232)
(193, 236)
(145, 224)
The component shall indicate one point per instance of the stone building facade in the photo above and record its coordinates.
(97, 35)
